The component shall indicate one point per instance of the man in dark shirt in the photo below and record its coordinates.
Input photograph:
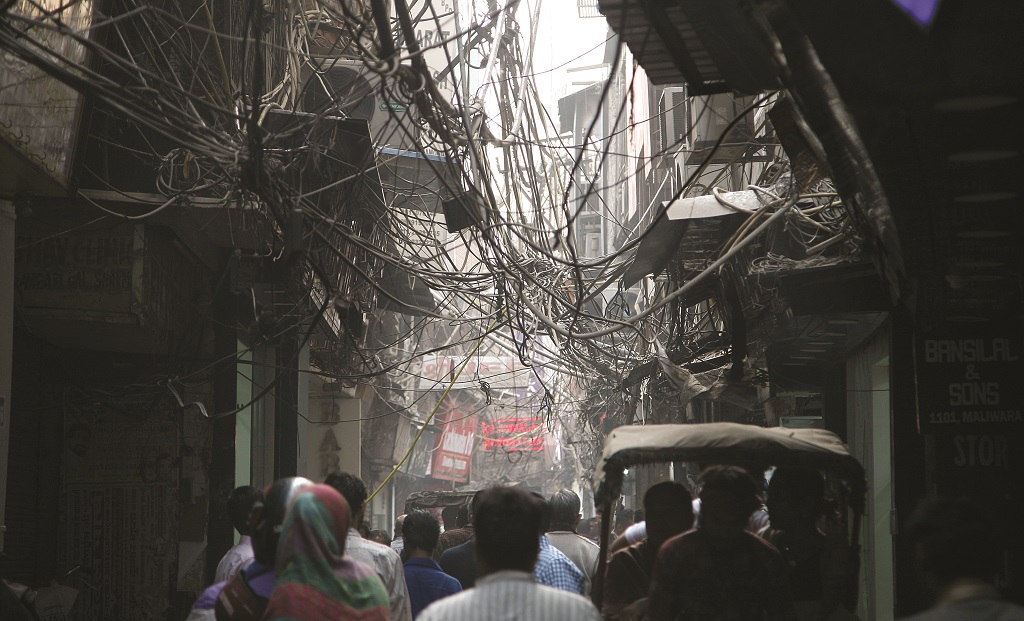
(669, 512)
(426, 582)
(721, 572)
(458, 561)
(455, 536)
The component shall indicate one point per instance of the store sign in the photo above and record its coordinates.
(970, 384)
(514, 434)
(454, 452)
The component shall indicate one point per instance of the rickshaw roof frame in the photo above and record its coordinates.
(438, 498)
(724, 443)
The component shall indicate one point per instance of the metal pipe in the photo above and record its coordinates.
(597, 593)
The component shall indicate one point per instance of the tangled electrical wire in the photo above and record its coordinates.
(204, 93)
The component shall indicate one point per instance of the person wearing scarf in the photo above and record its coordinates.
(314, 581)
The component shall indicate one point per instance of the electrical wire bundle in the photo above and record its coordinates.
(211, 84)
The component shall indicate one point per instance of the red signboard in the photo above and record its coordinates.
(514, 434)
(454, 452)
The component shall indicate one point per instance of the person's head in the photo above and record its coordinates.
(353, 489)
(728, 496)
(315, 528)
(952, 539)
(268, 516)
(379, 535)
(623, 518)
(449, 515)
(565, 510)
(545, 513)
(507, 522)
(420, 532)
(583, 528)
(462, 517)
(638, 516)
(796, 498)
(240, 504)
(79, 436)
(398, 525)
(669, 510)
(164, 467)
(474, 504)
(595, 526)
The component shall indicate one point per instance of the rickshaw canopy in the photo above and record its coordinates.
(439, 498)
(724, 443)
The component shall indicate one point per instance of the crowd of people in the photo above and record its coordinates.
(735, 551)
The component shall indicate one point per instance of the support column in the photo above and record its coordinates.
(286, 419)
(219, 531)
(7, 218)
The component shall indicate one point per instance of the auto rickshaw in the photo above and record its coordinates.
(738, 444)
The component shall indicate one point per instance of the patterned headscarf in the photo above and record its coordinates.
(314, 581)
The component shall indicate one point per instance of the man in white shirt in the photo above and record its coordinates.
(507, 526)
(239, 506)
(383, 559)
(565, 517)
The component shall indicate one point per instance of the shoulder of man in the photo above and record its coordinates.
(570, 604)
(448, 607)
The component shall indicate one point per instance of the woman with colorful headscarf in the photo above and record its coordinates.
(314, 581)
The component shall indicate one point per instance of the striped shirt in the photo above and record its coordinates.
(388, 566)
(555, 569)
(511, 596)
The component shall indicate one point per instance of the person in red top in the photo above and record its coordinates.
(721, 572)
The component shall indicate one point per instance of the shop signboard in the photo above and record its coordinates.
(513, 434)
(453, 454)
(970, 398)
(970, 383)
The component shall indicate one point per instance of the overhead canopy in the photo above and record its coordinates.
(712, 443)
(416, 180)
(696, 225)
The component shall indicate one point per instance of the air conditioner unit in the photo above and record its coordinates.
(675, 128)
(709, 117)
(592, 245)
(346, 87)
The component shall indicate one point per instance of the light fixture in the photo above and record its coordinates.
(982, 234)
(803, 357)
(985, 197)
(811, 350)
(842, 322)
(977, 263)
(968, 104)
(825, 343)
(966, 319)
(977, 157)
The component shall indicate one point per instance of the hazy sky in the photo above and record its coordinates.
(562, 36)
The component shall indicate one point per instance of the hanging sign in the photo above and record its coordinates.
(454, 452)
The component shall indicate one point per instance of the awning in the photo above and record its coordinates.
(414, 296)
(415, 180)
(669, 230)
